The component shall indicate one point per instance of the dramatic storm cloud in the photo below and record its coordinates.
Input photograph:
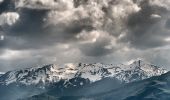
(60, 31)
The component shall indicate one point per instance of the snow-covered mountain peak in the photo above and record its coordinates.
(1, 73)
(140, 63)
(139, 70)
(143, 65)
(53, 73)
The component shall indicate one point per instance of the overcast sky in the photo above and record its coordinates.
(36, 32)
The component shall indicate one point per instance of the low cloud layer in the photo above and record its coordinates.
(61, 31)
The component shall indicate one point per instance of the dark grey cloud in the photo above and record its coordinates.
(82, 30)
(77, 3)
(146, 26)
(99, 48)
(167, 24)
(6, 5)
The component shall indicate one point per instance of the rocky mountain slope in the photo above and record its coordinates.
(61, 80)
(155, 88)
(45, 75)
(1, 73)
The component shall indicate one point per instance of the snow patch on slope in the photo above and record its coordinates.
(138, 70)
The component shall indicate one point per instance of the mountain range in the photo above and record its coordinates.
(77, 81)
(154, 88)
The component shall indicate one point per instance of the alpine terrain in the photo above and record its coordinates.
(83, 79)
